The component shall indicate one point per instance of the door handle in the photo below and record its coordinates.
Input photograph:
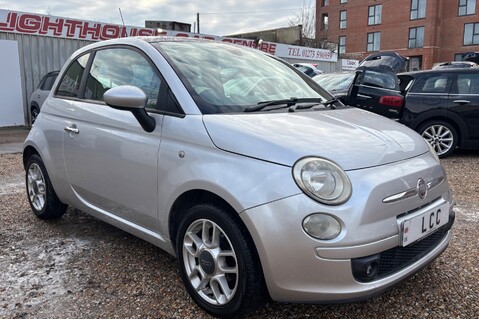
(462, 102)
(72, 129)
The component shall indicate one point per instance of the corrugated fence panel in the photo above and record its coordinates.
(38, 56)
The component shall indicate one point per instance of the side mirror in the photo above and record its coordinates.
(130, 98)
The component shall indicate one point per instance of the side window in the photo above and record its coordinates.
(432, 84)
(70, 83)
(120, 66)
(468, 83)
(48, 83)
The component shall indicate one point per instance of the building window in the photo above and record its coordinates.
(416, 38)
(324, 3)
(324, 22)
(342, 19)
(342, 44)
(467, 7)
(374, 41)
(374, 16)
(418, 9)
(471, 34)
(458, 56)
(344, 1)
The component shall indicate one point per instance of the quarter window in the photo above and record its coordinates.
(342, 19)
(416, 38)
(70, 83)
(115, 67)
(471, 33)
(468, 83)
(342, 44)
(374, 41)
(374, 16)
(418, 9)
(467, 7)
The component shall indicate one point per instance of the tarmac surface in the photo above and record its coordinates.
(11, 139)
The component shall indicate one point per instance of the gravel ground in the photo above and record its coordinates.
(79, 267)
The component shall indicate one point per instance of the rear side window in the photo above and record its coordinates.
(468, 83)
(120, 66)
(70, 83)
(437, 83)
(386, 80)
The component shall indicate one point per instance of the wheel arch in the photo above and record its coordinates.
(447, 120)
(27, 153)
(191, 198)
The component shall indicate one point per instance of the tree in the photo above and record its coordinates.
(306, 17)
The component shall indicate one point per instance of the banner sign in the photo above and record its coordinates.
(45, 25)
(349, 64)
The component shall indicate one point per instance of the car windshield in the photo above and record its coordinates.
(224, 78)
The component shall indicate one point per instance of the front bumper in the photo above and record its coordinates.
(299, 268)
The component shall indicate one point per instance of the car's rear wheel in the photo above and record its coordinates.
(218, 262)
(41, 196)
(441, 136)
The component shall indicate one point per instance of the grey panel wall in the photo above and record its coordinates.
(38, 56)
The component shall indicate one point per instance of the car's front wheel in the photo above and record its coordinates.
(441, 136)
(218, 262)
(41, 195)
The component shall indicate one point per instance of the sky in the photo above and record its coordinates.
(217, 17)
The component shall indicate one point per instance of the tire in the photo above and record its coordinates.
(222, 274)
(442, 136)
(41, 195)
(34, 113)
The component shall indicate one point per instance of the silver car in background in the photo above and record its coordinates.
(258, 180)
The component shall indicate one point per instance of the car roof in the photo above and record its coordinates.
(458, 70)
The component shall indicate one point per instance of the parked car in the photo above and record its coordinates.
(40, 94)
(455, 65)
(442, 105)
(277, 190)
(310, 69)
(337, 84)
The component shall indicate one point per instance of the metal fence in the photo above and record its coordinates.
(38, 56)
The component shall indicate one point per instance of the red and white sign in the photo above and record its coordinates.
(37, 24)
(349, 64)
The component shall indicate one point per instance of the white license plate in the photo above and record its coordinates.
(419, 226)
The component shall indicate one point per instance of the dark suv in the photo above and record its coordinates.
(442, 105)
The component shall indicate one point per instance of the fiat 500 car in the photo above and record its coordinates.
(253, 176)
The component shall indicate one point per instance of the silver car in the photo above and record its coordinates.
(258, 180)
(41, 93)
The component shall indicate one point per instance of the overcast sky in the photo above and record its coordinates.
(217, 17)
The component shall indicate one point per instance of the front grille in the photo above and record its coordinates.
(397, 258)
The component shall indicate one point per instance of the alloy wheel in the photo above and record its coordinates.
(210, 262)
(439, 137)
(36, 187)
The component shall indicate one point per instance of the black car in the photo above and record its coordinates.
(442, 105)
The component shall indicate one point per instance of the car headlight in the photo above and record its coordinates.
(322, 180)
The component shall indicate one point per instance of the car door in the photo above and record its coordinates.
(111, 162)
(464, 104)
(427, 98)
(45, 87)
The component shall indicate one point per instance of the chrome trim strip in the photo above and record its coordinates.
(412, 192)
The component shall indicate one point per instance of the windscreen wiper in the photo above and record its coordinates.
(293, 104)
(262, 105)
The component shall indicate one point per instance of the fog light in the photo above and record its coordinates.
(322, 226)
